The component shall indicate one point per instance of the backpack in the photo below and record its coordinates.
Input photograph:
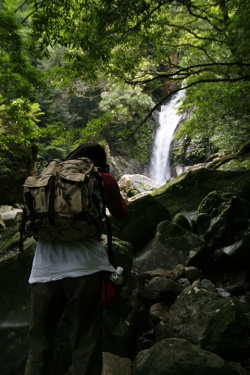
(64, 202)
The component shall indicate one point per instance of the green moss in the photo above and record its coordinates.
(185, 192)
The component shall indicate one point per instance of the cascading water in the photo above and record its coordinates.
(159, 169)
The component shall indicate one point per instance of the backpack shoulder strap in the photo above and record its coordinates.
(107, 220)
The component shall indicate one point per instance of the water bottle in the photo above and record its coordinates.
(117, 276)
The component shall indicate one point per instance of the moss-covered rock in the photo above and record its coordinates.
(184, 193)
(178, 357)
(216, 324)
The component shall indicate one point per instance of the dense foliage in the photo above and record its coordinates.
(103, 62)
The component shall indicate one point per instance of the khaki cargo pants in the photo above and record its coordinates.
(81, 296)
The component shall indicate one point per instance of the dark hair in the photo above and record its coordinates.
(93, 151)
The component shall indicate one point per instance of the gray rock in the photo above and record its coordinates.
(221, 292)
(207, 284)
(186, 192)
(161, 290)
(179, 357)
(183, 282)
(137, 183)
(114, 365)
(172, 245)
(216, 324)
(9, 217)
(222, 219)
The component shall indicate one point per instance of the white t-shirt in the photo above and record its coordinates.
(55, 260)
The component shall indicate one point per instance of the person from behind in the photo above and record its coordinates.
(68, 274)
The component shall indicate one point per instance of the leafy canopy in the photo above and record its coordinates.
(147, 44)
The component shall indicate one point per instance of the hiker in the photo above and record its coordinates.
(69, 274)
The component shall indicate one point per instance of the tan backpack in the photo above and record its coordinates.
(64, 202)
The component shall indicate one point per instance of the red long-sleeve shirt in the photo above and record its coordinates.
(114, 201)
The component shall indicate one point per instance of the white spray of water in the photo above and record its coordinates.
(159, 169)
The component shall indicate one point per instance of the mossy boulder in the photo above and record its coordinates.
(184, 193)
(216, 324)
(221, 218)
(180, 357)
(144, 214)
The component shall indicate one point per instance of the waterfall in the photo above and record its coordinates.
(159, 169)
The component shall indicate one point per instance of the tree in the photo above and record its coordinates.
(19, 83)
(150, 42)
(137, 42)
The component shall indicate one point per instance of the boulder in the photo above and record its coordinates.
(209, 321)
(9, 215)
(131, 185)
(177, 356)
(171, 246)
(139, 227)
(185, 192)
(120, 166)
(220, 216)
(160, 290)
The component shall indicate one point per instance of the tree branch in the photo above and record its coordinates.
(20, 6)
